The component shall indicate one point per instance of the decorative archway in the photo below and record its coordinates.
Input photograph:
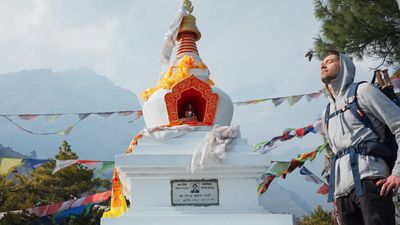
(192, 91)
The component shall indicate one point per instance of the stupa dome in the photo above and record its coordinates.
(186, 93)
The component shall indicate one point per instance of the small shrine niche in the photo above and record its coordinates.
(192, 102)
(191, 106)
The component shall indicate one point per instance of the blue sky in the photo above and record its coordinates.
(253, 48)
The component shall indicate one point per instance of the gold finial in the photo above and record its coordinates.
(188, 5)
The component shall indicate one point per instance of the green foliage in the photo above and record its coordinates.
(17, 219)
(42, 188)
(318, 217)
(359, 28)
(65, 152)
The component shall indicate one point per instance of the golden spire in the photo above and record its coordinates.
(188, 5)
(188, 32)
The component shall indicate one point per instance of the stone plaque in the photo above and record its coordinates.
(194, 192)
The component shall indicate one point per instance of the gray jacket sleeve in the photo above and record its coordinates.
(384, 110)
(326, 170)
(327, 161)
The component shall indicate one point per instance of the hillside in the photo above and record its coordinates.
(81, 90)
(7, 152)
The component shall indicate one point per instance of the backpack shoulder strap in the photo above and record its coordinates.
(327, 114)
(354, 107)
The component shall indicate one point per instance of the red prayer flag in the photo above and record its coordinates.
(28, 116)
(265, 185)
(294, 163)
(324, 189)
(88, 162)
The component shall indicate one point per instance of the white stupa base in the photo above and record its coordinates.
(199, 216)
(150, 177)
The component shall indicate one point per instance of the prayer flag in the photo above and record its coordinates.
(301, 132)
(317, 125)
(266, 181)
(307, 156)
(59, 217)
(66, 131)
(278, 101)
(125, 113)
(88, 162)
(62, 206)
(118, 204)
(34, 163)
(139, 113)
(265, 146)
(279, 168)
(83, 115)
(256, 101)
(311, 155)
(30, 164)
(294, 99)
(105, 166)
(7, 164)
(52, 118)
(60, 164)
(324, 189)
(309, 176)
(105, 114)
(313, 96)
(293, 165)
(28, 116)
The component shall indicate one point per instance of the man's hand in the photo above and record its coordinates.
(389, 184)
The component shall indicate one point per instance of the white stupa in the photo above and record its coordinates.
(191, 172)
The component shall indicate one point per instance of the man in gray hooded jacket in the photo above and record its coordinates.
(343, 131)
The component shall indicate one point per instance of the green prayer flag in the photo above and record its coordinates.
(279, 168)
(106, 165)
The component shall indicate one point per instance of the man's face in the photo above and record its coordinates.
(330, 68)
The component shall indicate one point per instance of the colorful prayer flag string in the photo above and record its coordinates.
(282, 168)
(17, 165)
(52, 117)
(311, 177)
(266, 146)
(292, 100)
(33, 116)
(61, 164)
(61, 206)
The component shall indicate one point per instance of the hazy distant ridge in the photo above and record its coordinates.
(80, 90)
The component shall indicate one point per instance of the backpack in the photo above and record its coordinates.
(388, 151)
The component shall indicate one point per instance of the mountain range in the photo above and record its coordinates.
(80, 90)
(7, 152)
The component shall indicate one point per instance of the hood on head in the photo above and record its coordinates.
(345, 77)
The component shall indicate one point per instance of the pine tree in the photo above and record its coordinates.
(360, 28)
(43, 188)
(318, 217)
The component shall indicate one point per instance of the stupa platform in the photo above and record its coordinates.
(149, 173)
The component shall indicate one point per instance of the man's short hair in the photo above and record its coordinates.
(332, 52)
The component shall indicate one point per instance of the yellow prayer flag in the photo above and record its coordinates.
(118, 204)
(117, 211)
(67, 131)
(7, 164)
